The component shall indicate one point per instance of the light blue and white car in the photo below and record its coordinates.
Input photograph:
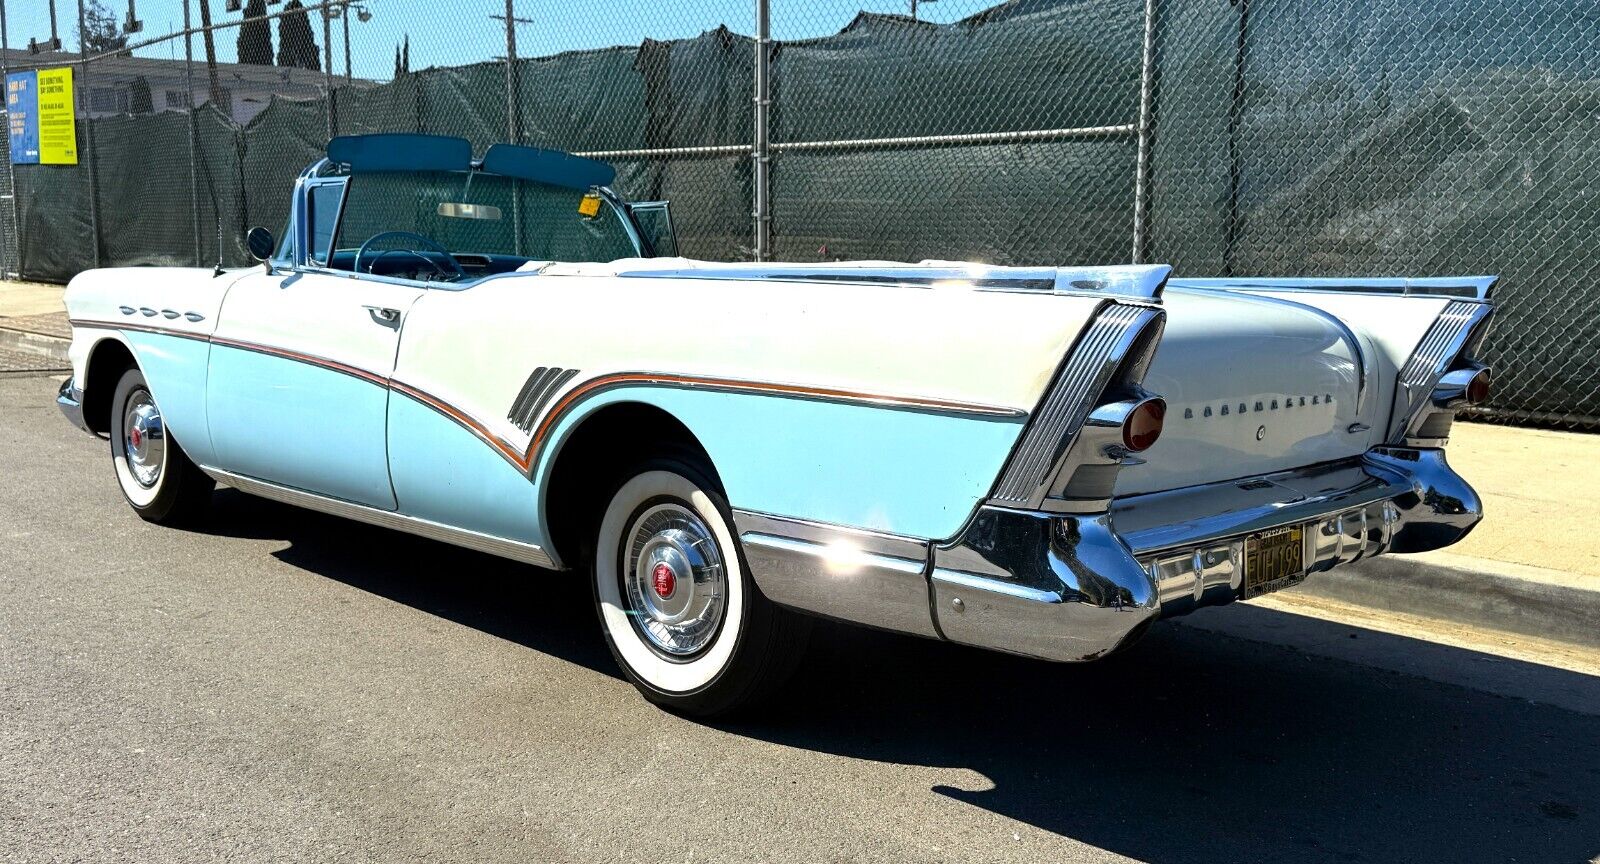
(502, 353)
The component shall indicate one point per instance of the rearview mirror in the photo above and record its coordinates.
(260, 243)
(458, 210)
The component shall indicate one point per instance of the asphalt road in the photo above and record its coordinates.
(287, 686)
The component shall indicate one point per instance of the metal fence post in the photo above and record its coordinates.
(513, 120)
(1230, 241)
(13, 238)
(194, 131)
(327, 66)
(760, 154)
(1141, 179)
(88, 132)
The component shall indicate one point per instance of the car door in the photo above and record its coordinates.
(297, 386)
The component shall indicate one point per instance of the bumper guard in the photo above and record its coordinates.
(70, 401)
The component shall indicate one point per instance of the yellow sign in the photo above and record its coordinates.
(589, 205)
(58, 130)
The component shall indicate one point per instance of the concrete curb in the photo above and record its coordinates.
(1481, 594)
(52, 347)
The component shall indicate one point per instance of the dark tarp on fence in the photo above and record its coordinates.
(1323, 138)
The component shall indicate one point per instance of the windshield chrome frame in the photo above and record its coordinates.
(300, 260)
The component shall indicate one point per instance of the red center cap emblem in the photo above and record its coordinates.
(137, 436)
(663, 580)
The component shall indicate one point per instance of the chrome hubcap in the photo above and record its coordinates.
(144, 439)
(674, 580)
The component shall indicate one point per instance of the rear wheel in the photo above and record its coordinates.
(680, 612)
(157, 478)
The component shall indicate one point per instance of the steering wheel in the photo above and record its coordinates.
(454, 270)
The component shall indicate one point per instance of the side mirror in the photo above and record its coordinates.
(260, 243)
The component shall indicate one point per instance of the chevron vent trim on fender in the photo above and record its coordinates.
(537, 392)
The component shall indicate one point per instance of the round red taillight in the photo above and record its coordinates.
(1143, 425)
(1478, 388)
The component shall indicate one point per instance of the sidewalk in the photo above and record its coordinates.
(33, 326)
(1531, 567)
(1541, 506)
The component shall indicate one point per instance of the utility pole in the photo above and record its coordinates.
(194, 132)
(513, 113)
(82, 86)
(344, 15)
(327, 69)
(226, 107)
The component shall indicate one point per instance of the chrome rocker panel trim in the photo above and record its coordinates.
(878, 580)
(517, 551)
(70, 400)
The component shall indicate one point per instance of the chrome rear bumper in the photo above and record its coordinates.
(1076, 588)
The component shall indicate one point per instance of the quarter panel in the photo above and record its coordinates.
(911, 473)
(446, 474)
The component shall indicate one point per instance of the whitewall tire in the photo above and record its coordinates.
(679, 610)
(157, 478)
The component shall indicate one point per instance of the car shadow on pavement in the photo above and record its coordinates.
(1190, 746)
(545, 611)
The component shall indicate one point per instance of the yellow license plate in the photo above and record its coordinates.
(1274, 559)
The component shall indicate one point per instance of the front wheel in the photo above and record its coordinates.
(156, 476)
(680, 612)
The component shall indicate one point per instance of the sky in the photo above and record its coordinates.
(462, 31)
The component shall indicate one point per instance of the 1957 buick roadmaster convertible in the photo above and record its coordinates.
(502, 353)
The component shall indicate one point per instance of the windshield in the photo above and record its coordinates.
(477, 225)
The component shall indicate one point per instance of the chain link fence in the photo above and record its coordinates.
(1226, 137)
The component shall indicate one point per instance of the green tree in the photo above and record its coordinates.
(296, 45)
(255, 35)
(402, 58)
(101, 32)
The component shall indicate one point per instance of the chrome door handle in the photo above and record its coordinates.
(383, 313)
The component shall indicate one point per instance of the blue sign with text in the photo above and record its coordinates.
(22, 116)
